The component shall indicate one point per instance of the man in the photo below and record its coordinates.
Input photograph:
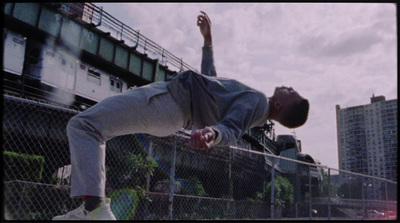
(218, 110)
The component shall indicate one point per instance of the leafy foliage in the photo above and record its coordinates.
(131, 171)
(193, 186)
(22, 167)
(325, 186)
(283, 192)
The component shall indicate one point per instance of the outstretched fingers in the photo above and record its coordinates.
(203, 19)
(206, 17)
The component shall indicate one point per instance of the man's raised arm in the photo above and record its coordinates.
(207, 60)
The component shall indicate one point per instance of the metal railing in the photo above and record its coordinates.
(95, 15)
(151, 178)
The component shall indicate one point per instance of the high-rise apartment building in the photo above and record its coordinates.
(367, 138)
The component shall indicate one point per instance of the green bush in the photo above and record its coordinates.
(283, 192)
(22, 167)
(193, 186)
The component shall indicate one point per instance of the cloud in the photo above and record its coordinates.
(348, 43)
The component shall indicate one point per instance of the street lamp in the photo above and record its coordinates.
(367, 185)
(350, 187)
(362, 194)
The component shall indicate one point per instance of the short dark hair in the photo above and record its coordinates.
(296, 114)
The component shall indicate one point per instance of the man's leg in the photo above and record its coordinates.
(123, 114)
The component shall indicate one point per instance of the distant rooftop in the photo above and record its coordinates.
(377, 98)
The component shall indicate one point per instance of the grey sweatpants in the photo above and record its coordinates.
(149, 109)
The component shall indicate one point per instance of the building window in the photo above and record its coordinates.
(115, 85)
(94, 77)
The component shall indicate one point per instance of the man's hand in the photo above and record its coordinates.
(205, 28)
(203, 138)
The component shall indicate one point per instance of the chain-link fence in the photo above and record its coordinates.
(150, 178)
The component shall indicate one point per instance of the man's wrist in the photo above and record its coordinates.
(217, 136)
(208, 41)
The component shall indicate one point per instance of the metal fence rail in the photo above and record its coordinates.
(106, 22)
(150, 178)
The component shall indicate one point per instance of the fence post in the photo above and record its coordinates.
(387, 201)
(230, 209)
(309, 191)
(101, 16)
(299, 170)
(329, 194)
(151, 155)
(122, 31)
(272, 188)
(362, 198)
(171, 182)
(230, 175)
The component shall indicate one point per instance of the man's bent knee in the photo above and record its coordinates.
(79, 123)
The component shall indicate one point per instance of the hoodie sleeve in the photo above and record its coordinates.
(207, 62)
(243, 115)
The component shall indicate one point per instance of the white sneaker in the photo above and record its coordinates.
(101, 213)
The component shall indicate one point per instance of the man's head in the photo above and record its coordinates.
(288, 107)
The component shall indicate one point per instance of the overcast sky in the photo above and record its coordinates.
(331, 53)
